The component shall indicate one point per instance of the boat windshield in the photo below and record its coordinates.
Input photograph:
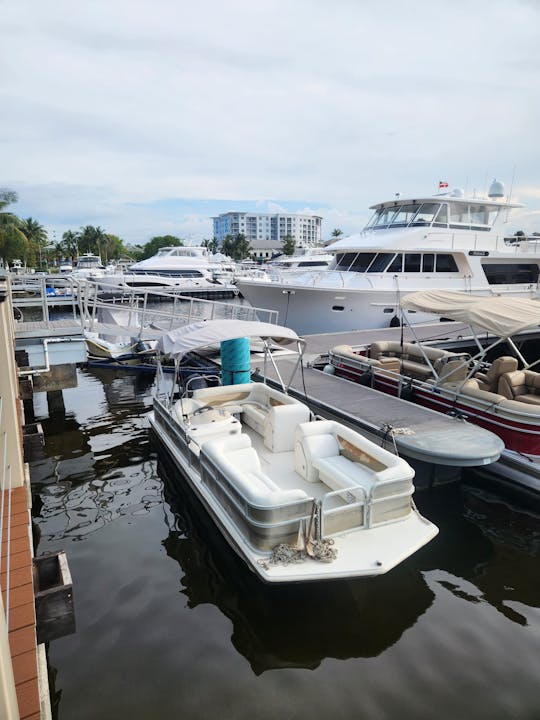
(454, 214)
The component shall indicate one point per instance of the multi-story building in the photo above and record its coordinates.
(305, 230)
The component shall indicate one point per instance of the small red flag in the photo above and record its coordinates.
(442, 184)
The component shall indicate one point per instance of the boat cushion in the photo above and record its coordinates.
(338, 473)
(307, 449)
(280, 425)
(489, 380)
(521, 385)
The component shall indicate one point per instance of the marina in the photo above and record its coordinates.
(99, 476)
(101, 481)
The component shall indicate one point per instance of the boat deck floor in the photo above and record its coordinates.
(280, 468)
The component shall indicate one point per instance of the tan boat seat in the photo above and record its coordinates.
(489, 381)
(521, 385)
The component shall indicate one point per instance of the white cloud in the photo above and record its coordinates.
(338, 104)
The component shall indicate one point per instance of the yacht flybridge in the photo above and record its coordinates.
(445, 242)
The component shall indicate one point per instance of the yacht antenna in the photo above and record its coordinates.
(509, 198)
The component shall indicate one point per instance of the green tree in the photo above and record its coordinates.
(337, 233)
(237, 247)
(212, 245)
(113, 247)
(289, 245)
(13, 242)
(37, 239)
(91, 239)
(160, 241)
(69, 247)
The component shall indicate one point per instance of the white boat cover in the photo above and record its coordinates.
(197, 335)
(502, 316)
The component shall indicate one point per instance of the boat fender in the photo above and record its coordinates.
(329, 369)
(395, 321)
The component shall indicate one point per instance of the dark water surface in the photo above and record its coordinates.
(171, 624)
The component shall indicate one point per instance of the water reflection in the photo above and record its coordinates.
(101, 468)
(289, 626)
(487, 545)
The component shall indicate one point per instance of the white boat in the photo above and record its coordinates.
(447, 241)
(312, 258)
(298, 499)
(495, 395)
(65, 266)
(88, 267)
(180, 269)
(120, 336)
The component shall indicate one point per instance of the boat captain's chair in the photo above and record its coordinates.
(521, 385)
(489, 381)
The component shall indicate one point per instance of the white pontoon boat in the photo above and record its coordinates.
(298, 499)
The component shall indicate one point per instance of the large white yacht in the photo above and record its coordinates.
(185, 269)
(186, 261)
(445, 242)
(312, 258)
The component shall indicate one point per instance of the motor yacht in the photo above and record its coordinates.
(313, 258)
(88, 266)
(447, 241)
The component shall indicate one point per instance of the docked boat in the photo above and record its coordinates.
(447, 241)
(313, 258)
(180, 269)
(298, 499)
(88, 267)
(502, 396)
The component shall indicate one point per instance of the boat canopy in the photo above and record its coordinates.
(197, 335)
(502, 316)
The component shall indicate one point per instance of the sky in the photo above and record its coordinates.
(147, 117)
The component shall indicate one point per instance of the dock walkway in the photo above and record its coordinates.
(419, 434)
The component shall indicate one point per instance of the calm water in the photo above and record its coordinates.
(171, 624)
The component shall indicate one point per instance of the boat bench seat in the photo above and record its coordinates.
(239, 464)
(413, 358)
(391, 364)
(473, 388)
(269, 412)
(341, 474)
(521, 385)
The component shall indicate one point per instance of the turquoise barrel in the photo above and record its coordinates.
(235, 365)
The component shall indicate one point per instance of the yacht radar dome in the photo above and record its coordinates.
(458, 193)
(496, 189)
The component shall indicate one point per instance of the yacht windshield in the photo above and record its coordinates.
(403, 214)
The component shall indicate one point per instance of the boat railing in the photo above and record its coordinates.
(167, 311)
(351, 511)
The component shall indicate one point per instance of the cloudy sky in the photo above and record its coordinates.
(148, 117)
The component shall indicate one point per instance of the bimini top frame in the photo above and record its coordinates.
(195, 336)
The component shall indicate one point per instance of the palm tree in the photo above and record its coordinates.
(13, 242)
(90, 238)
(35, 234)
(336, 232)
(70, 244)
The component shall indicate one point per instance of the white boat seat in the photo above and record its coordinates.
(339, 473)
(239, 464)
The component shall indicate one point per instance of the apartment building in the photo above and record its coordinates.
(273, 227)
